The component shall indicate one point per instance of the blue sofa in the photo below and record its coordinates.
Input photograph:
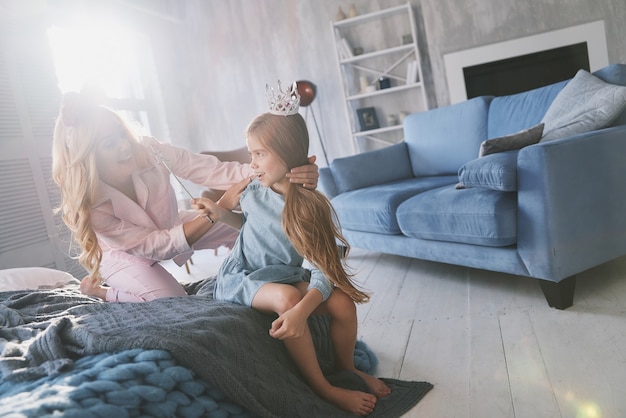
(547, 211)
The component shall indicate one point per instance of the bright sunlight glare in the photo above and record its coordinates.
(589, 410)
(97, 54)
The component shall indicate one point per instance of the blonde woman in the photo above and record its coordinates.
(282, 225)
(117, 200)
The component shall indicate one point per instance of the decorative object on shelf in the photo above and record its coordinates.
(363, 83)
(384, 83)
(403, 114)
(392, 120)
(340, 14)
(407, 39)
(367, 118)
(357, 50)
(307, 91)
(352, 10)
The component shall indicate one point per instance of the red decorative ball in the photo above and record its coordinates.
(307, 91)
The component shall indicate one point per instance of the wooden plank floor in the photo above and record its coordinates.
(487, 341)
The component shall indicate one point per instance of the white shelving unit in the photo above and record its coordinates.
(379, 44)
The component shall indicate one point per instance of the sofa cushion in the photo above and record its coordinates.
(587, 103)
(369, 168)
(513, 113)
(441, 140)
(511, 142)
(373, 209)
(472, 216)
(495, 171)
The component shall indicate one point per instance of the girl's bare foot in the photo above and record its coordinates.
(377, 386)
(359, 403)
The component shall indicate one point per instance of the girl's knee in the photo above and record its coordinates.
(286, 298)
(340, 305)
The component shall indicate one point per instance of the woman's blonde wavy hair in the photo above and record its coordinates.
(308, 218)
(74, 171)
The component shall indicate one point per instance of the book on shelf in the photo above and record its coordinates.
(411, 72)
(409, 69)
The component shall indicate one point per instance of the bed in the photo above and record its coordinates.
(66, 354)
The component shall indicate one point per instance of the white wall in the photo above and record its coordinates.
(234, 47)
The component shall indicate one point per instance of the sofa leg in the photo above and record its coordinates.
(559, 295)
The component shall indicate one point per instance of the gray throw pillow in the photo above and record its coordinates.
(585, 104)
(511, 142)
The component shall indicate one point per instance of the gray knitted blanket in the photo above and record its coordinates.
(43, 332)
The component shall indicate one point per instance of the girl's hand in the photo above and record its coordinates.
(230, 198)
(205, 206)
(306, 175)
(291, 324)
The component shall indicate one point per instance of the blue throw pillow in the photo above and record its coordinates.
(369, 168)
(495, 171)
(509, 114)
(441, 140)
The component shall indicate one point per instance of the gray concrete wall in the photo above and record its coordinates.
(229, 50)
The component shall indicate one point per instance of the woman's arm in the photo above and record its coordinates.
(143, 240)
(202, 169)
(209, 171)
(196, 228)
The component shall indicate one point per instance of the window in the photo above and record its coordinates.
(104, 60)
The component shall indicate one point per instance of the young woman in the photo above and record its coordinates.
(117, 200)
(282, 225)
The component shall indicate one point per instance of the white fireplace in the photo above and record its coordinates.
(593, 34)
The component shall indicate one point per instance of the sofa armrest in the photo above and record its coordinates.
(572, 203)
(371, 168)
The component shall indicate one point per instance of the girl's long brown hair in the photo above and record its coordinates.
(308, 217)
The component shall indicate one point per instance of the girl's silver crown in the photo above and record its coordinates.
(283, 103)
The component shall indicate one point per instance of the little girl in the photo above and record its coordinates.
(119, 204)
(280, 225)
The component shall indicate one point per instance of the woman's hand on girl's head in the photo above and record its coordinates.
(306, 175)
